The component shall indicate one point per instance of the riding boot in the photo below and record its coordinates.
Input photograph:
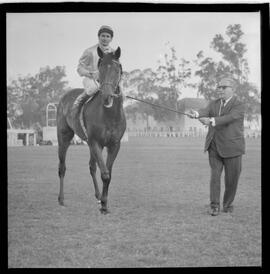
(80, 100)
(83, 97)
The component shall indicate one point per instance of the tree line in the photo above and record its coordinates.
(28, 96)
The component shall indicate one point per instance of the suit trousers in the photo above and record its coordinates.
(232, 167)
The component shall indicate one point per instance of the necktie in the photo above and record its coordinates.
(222, 102)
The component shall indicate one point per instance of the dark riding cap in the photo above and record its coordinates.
(106, 29)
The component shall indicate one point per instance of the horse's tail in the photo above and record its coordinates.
(60, 110)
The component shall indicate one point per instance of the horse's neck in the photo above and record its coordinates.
(113, 113)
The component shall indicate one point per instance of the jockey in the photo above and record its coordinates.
(88, 66)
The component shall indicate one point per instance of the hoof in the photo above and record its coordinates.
(98, 201)
(104, 211)
(61, 202)
(98, 197)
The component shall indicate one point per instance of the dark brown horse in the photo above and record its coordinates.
(104, 121)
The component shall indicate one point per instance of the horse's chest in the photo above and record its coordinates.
(111, 135)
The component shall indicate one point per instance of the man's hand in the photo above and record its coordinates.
(205, 121)
(191, 113)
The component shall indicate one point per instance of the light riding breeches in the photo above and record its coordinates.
(90, 85)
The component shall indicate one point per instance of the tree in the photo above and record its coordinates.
(233, 51)
(140, 84)
(172, 77)
(161, 87)
(210, 71)
(233, 63)
(28, 96)
(167, 99)
(248, 94)
(14, 110)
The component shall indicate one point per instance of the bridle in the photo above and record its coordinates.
(114, 86)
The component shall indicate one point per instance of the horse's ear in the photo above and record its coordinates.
(100, 52)
(117, 53)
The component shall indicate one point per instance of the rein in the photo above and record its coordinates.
(114, 87)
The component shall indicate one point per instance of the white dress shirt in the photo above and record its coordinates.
(212, 120)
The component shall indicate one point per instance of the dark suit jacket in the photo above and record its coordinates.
(228, 133)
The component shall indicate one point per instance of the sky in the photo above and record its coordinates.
(35, 40)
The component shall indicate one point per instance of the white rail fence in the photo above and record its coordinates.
(183, 134)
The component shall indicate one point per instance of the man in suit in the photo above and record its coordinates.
(225, 142)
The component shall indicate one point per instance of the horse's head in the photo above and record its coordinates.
(110, 71)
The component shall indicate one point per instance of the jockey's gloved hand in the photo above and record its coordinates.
(94, 75)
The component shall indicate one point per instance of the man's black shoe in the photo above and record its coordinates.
(228, 209)
(213, 211)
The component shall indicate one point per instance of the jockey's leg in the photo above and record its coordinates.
(90, 88)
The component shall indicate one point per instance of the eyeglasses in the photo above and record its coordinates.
(223, 87)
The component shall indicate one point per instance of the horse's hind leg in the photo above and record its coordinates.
(64, 138)
(93, 170)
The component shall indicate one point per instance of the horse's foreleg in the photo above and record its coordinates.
(93, 170)
(112, 153)
(96, 150)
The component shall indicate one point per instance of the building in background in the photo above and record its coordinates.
(20, 137)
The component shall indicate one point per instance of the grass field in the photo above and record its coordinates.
(158, 199)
